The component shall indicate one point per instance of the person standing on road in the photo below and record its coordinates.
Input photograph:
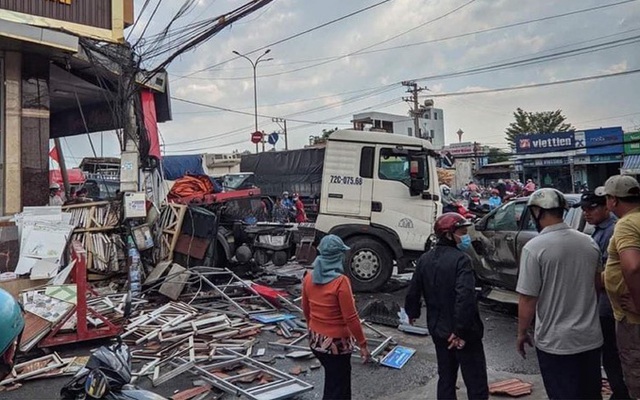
(622, 274)
(596, 213)
(558, 281)
(280, 212)
(444, 278)
(330, 312)
(301, 215)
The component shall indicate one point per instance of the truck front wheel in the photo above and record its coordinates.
(369, 264)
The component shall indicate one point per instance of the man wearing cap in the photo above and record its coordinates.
(622, 274)
(596, 213)
(559, 271)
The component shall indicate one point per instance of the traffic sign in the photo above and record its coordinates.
(273, 138)
(256, 137)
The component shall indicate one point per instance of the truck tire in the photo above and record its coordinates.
(369, 264)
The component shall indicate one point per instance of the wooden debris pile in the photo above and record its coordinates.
(177, 338)
(49, 366)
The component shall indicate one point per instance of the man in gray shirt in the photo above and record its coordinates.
(559, 274)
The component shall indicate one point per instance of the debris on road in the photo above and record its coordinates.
(511, 387)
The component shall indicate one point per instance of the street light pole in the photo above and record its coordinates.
(254, 65)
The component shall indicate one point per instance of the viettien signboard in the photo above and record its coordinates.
(545, 142)
(632, 143)
(590, 141)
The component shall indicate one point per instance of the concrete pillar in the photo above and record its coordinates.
(35, 130)
(12, 134)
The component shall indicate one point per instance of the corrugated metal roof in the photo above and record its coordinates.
(96, 13)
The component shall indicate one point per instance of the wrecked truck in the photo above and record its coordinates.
(379, 192)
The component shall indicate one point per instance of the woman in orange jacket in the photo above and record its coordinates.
(334, 324)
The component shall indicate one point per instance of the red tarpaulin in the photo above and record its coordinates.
(151, 122)
(76, 176)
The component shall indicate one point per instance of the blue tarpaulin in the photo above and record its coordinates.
(175, 167)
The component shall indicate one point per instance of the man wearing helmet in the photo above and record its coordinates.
(444, 278)
(448, 201)
(12, 323)
(54, 196)
(558, 279)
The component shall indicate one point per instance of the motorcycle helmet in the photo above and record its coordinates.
(54, 186)
(448, 223)
(547, 199)
(96, 385)
(11, 320)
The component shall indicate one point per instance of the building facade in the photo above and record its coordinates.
(631, 165)
(431, 124)
(58, 81)
(569, 160)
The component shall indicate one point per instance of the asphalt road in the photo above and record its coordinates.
(369, 381)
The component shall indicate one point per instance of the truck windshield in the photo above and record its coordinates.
(394, 167)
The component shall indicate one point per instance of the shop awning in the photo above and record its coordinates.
(631, 165)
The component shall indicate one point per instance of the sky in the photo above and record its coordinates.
(318, 80)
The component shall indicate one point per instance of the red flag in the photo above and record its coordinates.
(53, 153)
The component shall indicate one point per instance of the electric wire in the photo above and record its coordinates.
(294, 36)
(361, 52)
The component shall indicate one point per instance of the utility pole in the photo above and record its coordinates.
(284, 129)
(413, 90)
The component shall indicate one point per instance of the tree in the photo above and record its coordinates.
(496, 155)
(534, 123)
(315, 140)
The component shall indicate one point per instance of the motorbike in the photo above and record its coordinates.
(107, 376)
(270, 242)
(476, 206)
(459, 208)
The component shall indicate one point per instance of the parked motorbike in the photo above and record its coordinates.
(107, 376)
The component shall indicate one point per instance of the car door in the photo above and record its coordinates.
(500, 234)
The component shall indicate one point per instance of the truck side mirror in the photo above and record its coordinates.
(417, 187)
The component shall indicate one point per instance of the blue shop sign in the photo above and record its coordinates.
(545, 142)
(604, 141)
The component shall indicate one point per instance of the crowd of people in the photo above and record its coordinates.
(288, 209)
(581, 295)
(505, 188)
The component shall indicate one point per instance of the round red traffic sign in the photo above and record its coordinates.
(256, 137)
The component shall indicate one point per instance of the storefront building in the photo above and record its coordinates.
(631, 164)
(569, 160)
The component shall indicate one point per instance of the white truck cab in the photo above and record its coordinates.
(380, 194)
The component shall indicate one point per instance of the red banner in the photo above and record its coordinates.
(151, 122)
(53, 153)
